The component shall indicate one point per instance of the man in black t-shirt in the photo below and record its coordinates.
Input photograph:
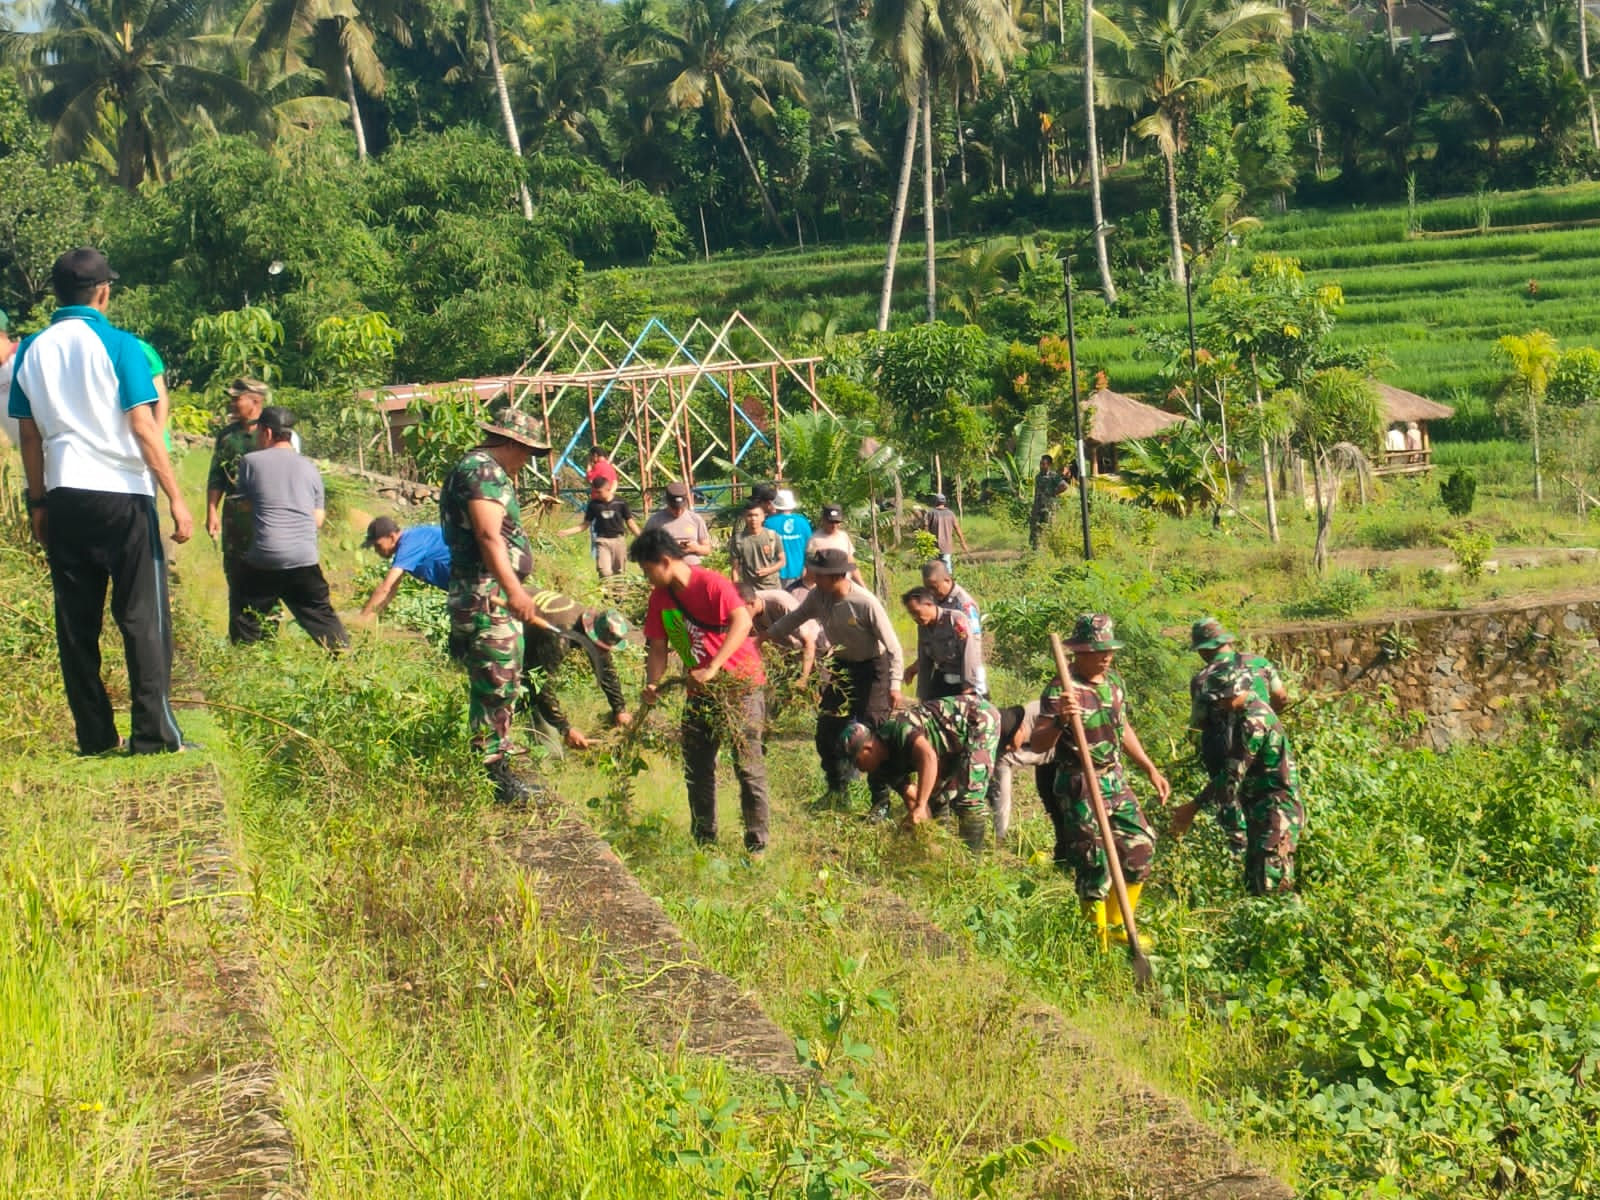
(607, 519)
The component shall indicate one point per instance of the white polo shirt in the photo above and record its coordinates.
(77, 380)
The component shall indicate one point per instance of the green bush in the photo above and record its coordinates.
(1458, 492)
(1341, 594)
(1471, 549)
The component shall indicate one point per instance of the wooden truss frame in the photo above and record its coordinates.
(579, 374)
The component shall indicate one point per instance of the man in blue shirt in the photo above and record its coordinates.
(794, 531)
(419, 552)
(85, 407)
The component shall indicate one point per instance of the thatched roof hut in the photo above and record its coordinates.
(1407, 451)
(1110, 417)
(1400, 405)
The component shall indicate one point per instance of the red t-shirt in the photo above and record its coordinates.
(694, 622)
(601, 468)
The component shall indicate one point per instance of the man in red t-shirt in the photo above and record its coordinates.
(701, 615)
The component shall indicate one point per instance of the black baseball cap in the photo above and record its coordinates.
(276, 419)
(764, 493)
(832, 512)
(381, 527)
(830, 562)
(83, 267)
(677, 491)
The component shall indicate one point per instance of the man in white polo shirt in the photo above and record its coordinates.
(92, 451)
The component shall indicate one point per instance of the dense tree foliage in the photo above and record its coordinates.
(385, 154)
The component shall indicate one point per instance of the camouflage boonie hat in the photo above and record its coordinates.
(519, 426)
(1208, 633)
(608, 629)
(1094, 631)
(855, 736)
(1226, 682)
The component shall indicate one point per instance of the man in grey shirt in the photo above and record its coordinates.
(287, 506)
(683, 523)
(866, 664)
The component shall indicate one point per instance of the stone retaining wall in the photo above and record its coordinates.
(1461, 670)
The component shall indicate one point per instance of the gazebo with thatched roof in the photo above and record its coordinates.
(1402, 410)
(1110, 418)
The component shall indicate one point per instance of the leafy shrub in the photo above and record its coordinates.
(1458, 492)
(1341, 594)
(1471, 549)
(443, 431)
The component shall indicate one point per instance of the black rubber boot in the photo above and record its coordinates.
(973, 828)
(508, 789)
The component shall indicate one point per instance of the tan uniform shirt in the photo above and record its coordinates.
(857, 625)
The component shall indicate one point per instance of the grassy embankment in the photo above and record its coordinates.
(1435, 305)
(430, 1035)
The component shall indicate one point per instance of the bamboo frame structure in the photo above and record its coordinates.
(662, 397)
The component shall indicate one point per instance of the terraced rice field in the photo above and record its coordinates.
(1434, 303)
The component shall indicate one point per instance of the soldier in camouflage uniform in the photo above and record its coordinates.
(228, 517)
(490, 559)
(948, 744)
(1260, 767)
(1098, 696)
(1218, 650)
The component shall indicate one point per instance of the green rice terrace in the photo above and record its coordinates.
(1432, 287)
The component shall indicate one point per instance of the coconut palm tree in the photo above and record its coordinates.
(337, 38)
(720, 58)
(1173, 57)
(1529, 359)
(925, 41)
(508, 117)
(1108, 286)
(133, 75)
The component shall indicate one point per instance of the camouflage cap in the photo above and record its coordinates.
(1094, 631)
(854, 736)
(1208, 633)
(608, 629)
(520, 427)
(1226, 681)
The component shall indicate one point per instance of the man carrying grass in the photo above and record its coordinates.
(701, 615)
(865, 665)
(1260, 767)
(1218, 649)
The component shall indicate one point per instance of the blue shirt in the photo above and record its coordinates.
(421, 553)
(794, 531)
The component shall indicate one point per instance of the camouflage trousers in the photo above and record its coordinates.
(1230, 818)
(488, 642)
(1085, 849)
(964, 774)
(1273, 822)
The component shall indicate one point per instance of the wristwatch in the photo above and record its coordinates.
(34, 504)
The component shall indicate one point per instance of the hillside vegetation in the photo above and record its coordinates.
(1421, 1022)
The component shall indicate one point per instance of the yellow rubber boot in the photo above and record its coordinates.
(1095, 912)
(1116, 931)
